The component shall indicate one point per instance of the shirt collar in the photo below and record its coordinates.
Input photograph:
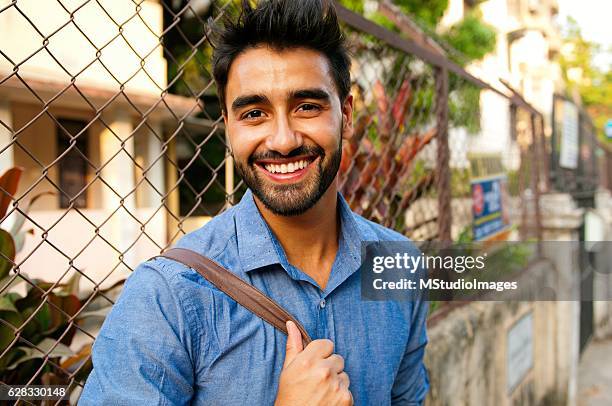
(258, 247)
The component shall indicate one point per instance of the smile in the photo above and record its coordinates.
(287, 168)
(291, 169)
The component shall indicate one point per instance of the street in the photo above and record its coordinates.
(595, 374)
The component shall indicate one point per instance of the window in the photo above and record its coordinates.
(73, 165)
(201, 155)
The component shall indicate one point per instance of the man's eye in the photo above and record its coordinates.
(309, 107)
(253, 114)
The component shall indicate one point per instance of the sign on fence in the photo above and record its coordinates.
(568, 157)
(489, 206)
(519, 356)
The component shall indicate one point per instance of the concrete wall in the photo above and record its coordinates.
(74, 239)
(603, 281)
(468, 354)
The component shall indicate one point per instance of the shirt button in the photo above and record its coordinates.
(322, 304)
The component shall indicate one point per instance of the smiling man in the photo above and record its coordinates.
(282, 73)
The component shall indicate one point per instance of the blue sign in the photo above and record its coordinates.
(489, 210)
(608, 129)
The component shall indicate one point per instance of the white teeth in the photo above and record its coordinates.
(286, 168)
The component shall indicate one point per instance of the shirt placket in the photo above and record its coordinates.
(324, 310)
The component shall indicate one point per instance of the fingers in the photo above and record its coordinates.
(321, 348)
(344, 379)
(346, 395)
(312, 371)
(335, 363)
(294, 343)
(348, 400)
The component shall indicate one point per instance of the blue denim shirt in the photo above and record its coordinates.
(172, 338)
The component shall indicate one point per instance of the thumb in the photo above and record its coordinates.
(294, 343)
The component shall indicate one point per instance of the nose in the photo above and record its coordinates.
(283, 138)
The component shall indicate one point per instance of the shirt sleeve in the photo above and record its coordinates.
(140, 356)
(412, 382)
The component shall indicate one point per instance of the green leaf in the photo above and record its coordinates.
(428, 12)
(6, 304)
(472, 37)
(354, 5)
(7, 333)
(8, 282)
(43, 348)
(38, 327)
(7, 247)
(8, 358)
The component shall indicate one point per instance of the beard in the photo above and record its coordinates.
(292, 199)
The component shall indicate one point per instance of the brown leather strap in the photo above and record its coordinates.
(242, 292)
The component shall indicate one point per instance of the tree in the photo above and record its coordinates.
(593, 84)
(469, 40)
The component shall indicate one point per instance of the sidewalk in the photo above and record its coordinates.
(595, 374)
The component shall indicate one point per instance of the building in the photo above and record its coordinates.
(528, 42)
(92, 76)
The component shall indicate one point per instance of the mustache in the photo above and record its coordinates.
(303, 150)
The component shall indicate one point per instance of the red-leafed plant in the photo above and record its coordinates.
(375, 172)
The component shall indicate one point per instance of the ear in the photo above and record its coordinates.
(227, 138)
(347, 118)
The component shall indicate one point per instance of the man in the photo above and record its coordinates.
(283, 78)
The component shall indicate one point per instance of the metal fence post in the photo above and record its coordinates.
(443, 163)
(536, 155)
(545, 164)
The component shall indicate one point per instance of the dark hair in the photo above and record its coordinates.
(282, 24)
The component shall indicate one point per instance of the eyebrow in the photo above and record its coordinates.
(317, 94)
(247, 100)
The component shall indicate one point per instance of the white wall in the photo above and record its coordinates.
(19, 40)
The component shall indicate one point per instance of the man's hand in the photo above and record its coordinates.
(313, 375)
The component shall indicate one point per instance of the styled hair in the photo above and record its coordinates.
(281, 25)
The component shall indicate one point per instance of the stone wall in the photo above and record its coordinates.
(468, 355)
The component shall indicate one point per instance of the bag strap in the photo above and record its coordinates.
(242, 292)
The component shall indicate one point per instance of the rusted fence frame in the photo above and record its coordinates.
(445, 219)
(443, 67)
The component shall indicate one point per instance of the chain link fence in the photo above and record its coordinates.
(110, 124)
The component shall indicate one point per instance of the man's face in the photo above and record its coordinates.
(286, 123)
